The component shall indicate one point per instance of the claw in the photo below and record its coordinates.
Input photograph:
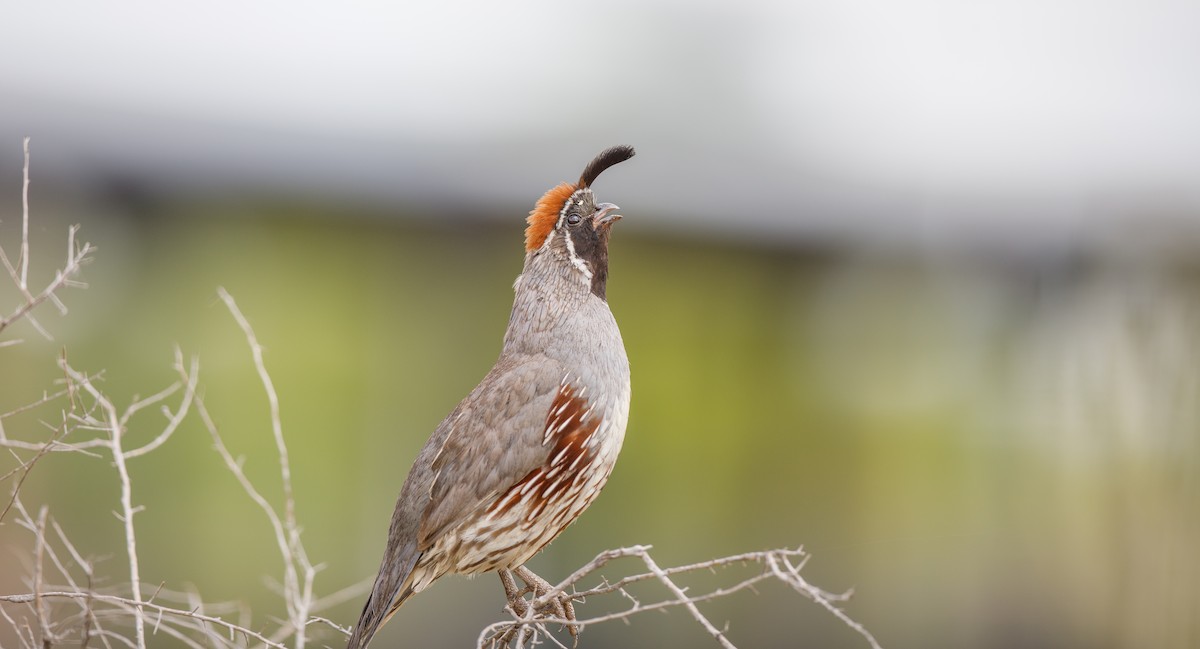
(560, 605)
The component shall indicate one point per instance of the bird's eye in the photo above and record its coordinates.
(573, 219)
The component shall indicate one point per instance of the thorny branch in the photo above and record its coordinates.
(77, 256)
(781, 564)
(297, 592)
(127, 605)
(90, 423)
(297, 589)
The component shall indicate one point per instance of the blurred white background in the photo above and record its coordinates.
(1034, 122)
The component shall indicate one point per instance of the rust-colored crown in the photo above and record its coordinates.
(545, 213)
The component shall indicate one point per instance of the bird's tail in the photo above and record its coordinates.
(393, 585)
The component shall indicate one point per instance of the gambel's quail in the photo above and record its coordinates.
(530, 447)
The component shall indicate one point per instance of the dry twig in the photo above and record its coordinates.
(77, 256)
(298, 572)
(782, 564)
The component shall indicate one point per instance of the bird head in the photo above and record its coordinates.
(569, 223)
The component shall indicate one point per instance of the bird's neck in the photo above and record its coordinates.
(551, 300)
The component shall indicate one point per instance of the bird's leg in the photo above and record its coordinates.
(516, 601)
(516, 596)
(560, 604)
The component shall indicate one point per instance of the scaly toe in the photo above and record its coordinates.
(560, 605)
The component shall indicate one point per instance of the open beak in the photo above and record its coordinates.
(604, 214)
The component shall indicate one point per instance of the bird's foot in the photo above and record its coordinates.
(558, 605)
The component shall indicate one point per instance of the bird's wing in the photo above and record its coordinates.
(496, 437)
(491, 440)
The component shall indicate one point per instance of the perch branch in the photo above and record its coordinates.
(781, 564)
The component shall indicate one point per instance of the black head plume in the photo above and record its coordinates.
(606, 159)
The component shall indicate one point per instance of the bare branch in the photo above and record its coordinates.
(62, 278)
(116, 434)
(192, 376)
(15, 627)
(39, 603)
(24, 468)
(23, 260)
(130, 604)
(77, 255)
(791, 576)
(533, 626)
(299, 573)
(281, 536)
(256, 351)
(686, 601)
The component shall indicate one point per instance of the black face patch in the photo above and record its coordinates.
(591, 246)
(589, 242)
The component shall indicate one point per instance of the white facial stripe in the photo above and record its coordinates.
(575, 260)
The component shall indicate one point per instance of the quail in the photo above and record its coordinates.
(532, 445)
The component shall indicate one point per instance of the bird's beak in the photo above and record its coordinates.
(603, 214)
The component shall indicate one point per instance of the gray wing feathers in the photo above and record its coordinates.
(386, 597)
(400, 557)
(493, 439)
(485, 445)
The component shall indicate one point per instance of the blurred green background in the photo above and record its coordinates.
(914, 285)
